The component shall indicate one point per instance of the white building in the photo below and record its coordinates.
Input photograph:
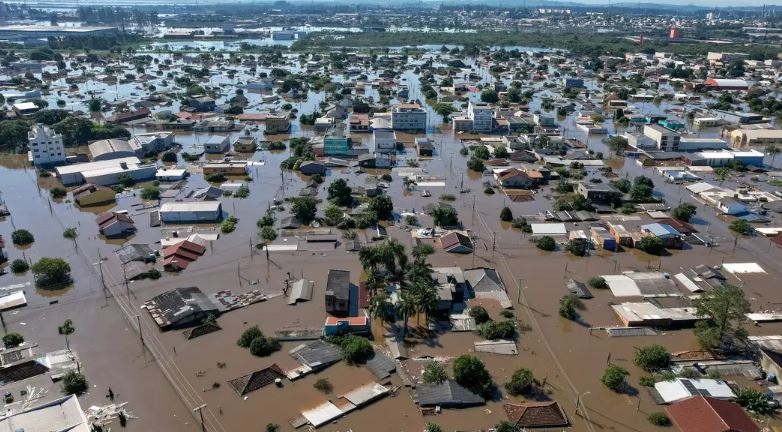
(665, 139)
(682, 388)
(384, 140)
(46, 146)
(481, 116)
(196, 211)
(408, 117)
(105, 173)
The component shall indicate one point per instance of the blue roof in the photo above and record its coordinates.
(661, 230)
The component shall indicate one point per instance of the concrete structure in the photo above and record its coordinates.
(202, 104)
(598, 192)
(738, 117)
(277, 124)
(111, 149)
(338, 292)
(217, 144)
(198, 211)
(41, 31)
(181, 307)
(225, 168)
(46, 146)
(113, 224)
(105, 173)
(349, 325)
(146, 143)
(664, 138)
(755, 137)
(25, 109)
(481, 116)
(727, 84)
(408, 117)
(90, 194)
(335, 145)
(384, 141)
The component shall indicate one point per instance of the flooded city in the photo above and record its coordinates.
(372, 218)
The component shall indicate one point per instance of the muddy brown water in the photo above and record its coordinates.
(564, 354)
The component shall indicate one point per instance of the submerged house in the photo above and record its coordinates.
(448, 394)
(338, 292)
(180, 307)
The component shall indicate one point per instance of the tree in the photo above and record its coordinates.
(724, 309)
(652, 358)
(421, 251)
(406, 307)
(22, 237)
(305, 208)
(481, 152)
(641, 193)
(263, 346)
(741, 226)
(58, 192)
(355, 349)
(470, 372)
(323, 385)
(272, 427)
(614, 377)
(506, 215)
(598, 282)
(501, 152)
(13, 134)
(95, 104)
(334, 215)
(150, 193)
(378, 306)
(340, 193)
(577, 247)
(268, 234)
(382, 206)
(434, 373)
(51, 271)
(479, 314)
(74, 383)
(445, 217)
(495, 330)
(684, 212)
(618, 144)
(169, 157)
(19, 266)
(568, 305)
(126, 180)
(65, 329)
(248, 336)
(431, 427)
(11, 340)
(475, 164)
(651, 244)
(754, 401)
(623, 185)
(506, 426)
(489, 96)
(70, 233)
(546, 243)
(521, 383)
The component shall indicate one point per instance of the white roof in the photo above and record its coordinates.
(682, 388)
(192, 206)
(25, 106)
(539, 229)
(98, 165)
(322, 414)
(699, 187)
(730, 82)
(13, 300)
(63, 414)
(740, 268)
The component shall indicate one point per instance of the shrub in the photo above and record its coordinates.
(168, 157)
(652, 358)
(494, 330)
(242, 192)
(506, 314)
(647, 381)
(475, 164)
(614, 377)
(154, 274)
(684, 212)
(445, 216)
(521, 383)
(479, 314)
(598, 282)
(506, 426)
(70, 233)
(150, 193)
(228, 225)
(651, 244)
(659, 419)
(51, 271)
(506, 215)
(216, 178)
(577, 247)
(19, 266)
(11, 340)
(546, 243)
(488, 190)
(74, 383)
(431, 427)
(22, 237)
(753, 400)
(568, 305)
(434, 373)
(323, 385)
(739, 226)
(268, 234)
(58, 192)
(355, 349)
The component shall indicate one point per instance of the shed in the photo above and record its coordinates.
(301, 290)
(449, 394)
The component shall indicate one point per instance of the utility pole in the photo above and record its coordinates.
(100, 268)
(200, 411)
(140, 335)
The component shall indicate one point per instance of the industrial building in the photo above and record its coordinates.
(105, 173)
(196, 211)
(42, 31)
(111, 149)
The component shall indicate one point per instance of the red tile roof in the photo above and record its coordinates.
(706, 414)
(453, 239)
(184, 251)
(541, 414)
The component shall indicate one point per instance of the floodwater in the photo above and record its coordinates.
(164, 382)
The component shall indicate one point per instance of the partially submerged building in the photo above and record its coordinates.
(181, 307)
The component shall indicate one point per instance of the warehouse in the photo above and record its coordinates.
(726, 84)
(111, 149)
(199, 211)
(105, 173)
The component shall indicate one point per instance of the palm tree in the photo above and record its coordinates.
(422, 250)
(406, 307)
(378, 306)
(420, 271)
(375, 280)
(409, 183)
(428, 300)
(369, 257)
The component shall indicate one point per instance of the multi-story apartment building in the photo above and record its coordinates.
(408, 117)
(46, 146)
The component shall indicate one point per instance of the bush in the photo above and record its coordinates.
(263, 346)
(169, 157)
(11, 340)
(470, 372)
(228, 225)
(74, 383)
(475, 164)
(242, 192)
(659, 419)
(479, 314)
(268, 234)
(488, 190)
(154, 274)
(598, 282)
(70, 233)
(355, 349)
(431, 427)
(684, 212)
(647, 381)
(323, 385)
(651, 244)
(521, 383)
(739, 226)
(150, 193)
(494, 330)
(445, 216)
(216, 178)
(652, 358)
(577, 247)
(434, 373)
(753, 400)
(382, 206)
(568, 305)
(546, 243)
(58, 192)
(248, 336)
(19, 266)
(506, 215)
(614, 377)
(51, 271)
(22, 237)
(506, 426)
